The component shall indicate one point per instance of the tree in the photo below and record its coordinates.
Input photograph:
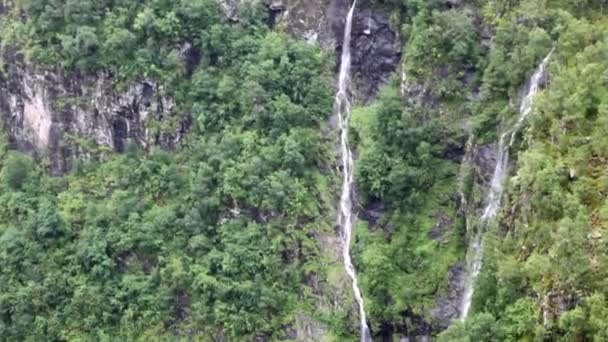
(518, 321)
(15, 170)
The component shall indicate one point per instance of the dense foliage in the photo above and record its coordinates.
(214, 240)
(544, 271)
(405, 260)
(543, 276)
(223, 238)
(410, 143)
(551, 251)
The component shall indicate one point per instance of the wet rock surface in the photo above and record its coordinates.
(376, 49)
(448, 306)
(378, 53)
(484, 160)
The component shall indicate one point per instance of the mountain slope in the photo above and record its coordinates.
(169, 170)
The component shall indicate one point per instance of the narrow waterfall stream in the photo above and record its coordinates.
(343, 110)
(493, 198)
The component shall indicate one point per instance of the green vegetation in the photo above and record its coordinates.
(402, 268)
(409, 142)
(225, 238)
(544, 273)
(217, 239)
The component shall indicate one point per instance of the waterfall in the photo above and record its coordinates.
(494, 196)
(343, 110)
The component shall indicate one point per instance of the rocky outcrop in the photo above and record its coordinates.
(444, 224)
(51, 114)
(414, 92)
(231, 8)
(484, 160)
(477, 166)
(308, 20)
(304, 19)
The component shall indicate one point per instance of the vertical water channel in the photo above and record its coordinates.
(494, 196)
(343, 110)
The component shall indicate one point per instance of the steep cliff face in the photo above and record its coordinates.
(51, 114)
(376, 52)
(375, 46)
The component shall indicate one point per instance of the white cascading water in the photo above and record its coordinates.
(343, 109)
(493, 199)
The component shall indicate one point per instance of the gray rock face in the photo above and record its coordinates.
(484, 160)
(414, 92)
(443, 225)
(305, 19)
(448, 307)
(231, 8)
(46, 113)
(376, 49)
(372, 214)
